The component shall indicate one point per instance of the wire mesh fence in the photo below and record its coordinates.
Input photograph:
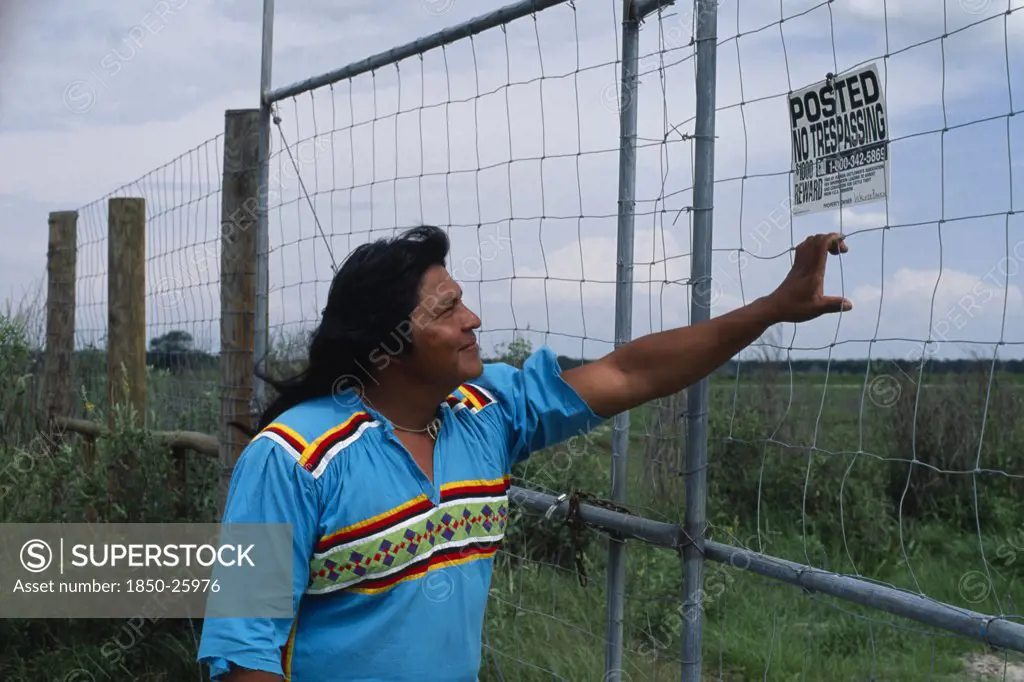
(506, 138)
(506, 142)
(182, 206)
(875, 451)
(878, 443)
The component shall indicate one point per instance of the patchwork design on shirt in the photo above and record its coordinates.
(407, 542)
(285, 436)
(471, 397)
(318, 454)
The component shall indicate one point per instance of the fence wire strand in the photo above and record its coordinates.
(182, 210)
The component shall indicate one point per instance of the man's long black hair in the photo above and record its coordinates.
(373, 293)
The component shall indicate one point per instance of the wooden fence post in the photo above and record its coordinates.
(239, 196)
(126, 319)
(61, 259)
(126, 301)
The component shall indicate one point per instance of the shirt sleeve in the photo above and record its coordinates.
(538, 407)
(267, 486)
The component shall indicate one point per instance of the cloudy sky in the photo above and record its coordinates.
(128, 99)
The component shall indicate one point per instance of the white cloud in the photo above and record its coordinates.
(948, 306)
(852, 219)
(96, 158)
(940, 291)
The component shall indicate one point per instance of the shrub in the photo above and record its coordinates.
(561, 469)
(950, 429)
(17, 383)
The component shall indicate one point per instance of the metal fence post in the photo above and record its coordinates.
(706, 12)
(262, 329)
(623, 325)
(633, 12)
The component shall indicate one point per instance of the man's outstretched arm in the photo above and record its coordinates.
(663, 363)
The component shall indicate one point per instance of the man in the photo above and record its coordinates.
(390, 457)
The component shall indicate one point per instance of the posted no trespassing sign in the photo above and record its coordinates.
(840, 139)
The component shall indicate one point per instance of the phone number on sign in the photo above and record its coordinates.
(855, 160)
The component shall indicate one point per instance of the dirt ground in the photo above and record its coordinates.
(991, 667)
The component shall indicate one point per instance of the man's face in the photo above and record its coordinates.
(443, 330)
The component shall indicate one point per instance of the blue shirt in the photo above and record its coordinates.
(391, 572)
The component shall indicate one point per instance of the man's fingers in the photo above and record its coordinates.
(836, 243)
(835, 304)
(833, 242)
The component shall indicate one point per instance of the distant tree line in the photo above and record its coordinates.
(850, 367)
(175, 352)
(885, 365)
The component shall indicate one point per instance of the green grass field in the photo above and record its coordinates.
(755, 628)
(814, 471)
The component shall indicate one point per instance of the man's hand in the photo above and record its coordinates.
(801, 295)
(659, 364)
